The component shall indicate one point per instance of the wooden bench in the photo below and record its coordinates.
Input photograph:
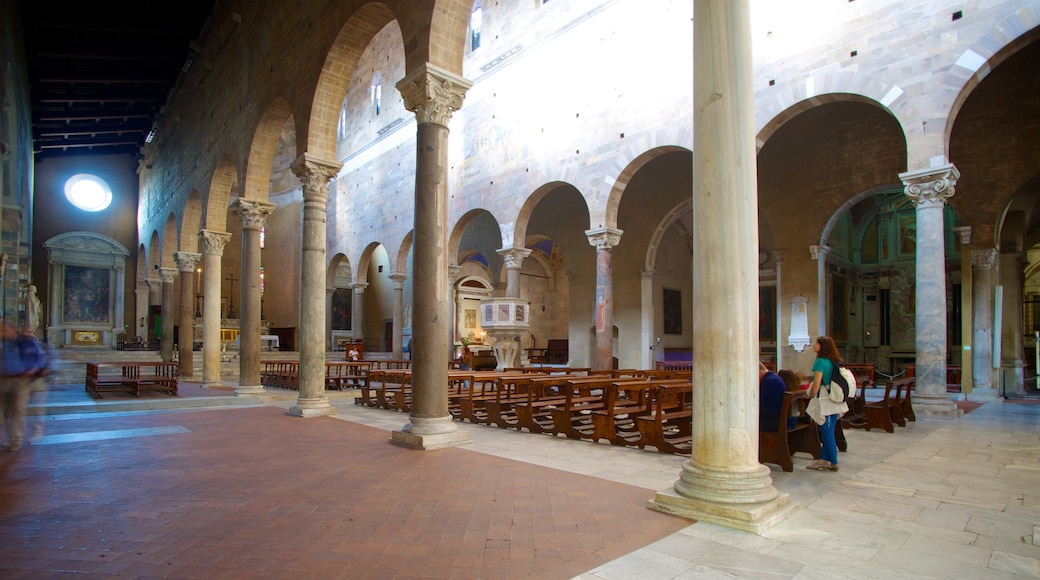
(669, 425)
(623, 401)
(131, 378)
(778, 446)
(864, 371)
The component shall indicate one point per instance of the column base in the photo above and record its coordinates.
(211, 384)
(936, 405)
(430, 433)
(244, 390)
(749, 517)
(984, 395)
(311, 407)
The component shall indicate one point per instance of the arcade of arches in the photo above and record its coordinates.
(389, 172)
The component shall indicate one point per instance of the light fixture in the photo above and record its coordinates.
(151, 135)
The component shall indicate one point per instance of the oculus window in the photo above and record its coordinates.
(88, 192)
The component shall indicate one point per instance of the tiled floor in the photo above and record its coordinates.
(249, 491)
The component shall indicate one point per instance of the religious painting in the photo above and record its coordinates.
(767, 314)
(672, 311)
(86, 294)
(839, 312)
(520, 313)
(470, 316)
(907, 234)
(503, 313)
(341, 308)
(489, 314)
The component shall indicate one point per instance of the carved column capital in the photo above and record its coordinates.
(513, 257)
(647, 273)
(604, 238)
(983, 259)
(186, 260)
(153, 284)
(359, 287)
(315, 174)
(433, 94)
(817, 251)
(167, 275)
(964, 234)
(213, 242)
(779, 257)
(930, 187)
(398, 279)
(253, 213)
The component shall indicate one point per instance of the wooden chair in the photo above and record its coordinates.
(777, 446)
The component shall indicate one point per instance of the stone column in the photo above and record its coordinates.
(779, 257)
(982, 324)
(646, 315)
(1012, 351)
(167, 275)
(357, 308)
(253, 214)
(514, 259)
(398, 280)
(140, 307)
(55, 336)
(604, 240)
(213, 249)
(929, 189)
(119, 322)
(433, 94)
(315, 174)
(818, 253)
(454, 308)
(722, 481)
(330, 343)
(186, 316)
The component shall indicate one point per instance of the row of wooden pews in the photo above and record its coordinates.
(875, 406)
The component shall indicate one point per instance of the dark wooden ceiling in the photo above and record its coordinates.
(100, 72)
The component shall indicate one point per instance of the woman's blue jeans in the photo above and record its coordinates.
(830, 446)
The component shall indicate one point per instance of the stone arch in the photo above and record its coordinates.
(682, 208)
(440, 37)
(796, 107)
(332, 271)
(633, 167)
(263, 148)
(825, 234)
(224, 178)
(1002, 37)
(154, 252)
(399, 262)
(142, 264)
(460, 228)
(361, 272)
(169, 242)
(523, 218)
(191, 222)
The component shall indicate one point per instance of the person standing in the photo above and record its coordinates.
(22, 363)
(823, 369)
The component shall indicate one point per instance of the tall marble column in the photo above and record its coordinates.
(213, 249)
(604, 240)
(818, 253)
(982, 261)
(514, 260)
(779, 257)
(433, 94)
(253, 214)
(55, 336)
(167, 275)
(722, 481)
(186, 315)
(357, 309)
(646, 316)
(315, 174)
(929, 189)
(398, 279)
(119, 322)
(1012, 350)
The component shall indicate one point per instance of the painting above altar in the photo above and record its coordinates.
(87, 292)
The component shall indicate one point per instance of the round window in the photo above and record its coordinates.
(88, 192)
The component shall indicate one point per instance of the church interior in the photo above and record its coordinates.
(532, 184)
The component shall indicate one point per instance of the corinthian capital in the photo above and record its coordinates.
(398, 279)
(513, 257)
(604, 238)
(253, 213)
(213, 242)
(930, 187)
(433, 94)
(983, 259)
(167, 275)
(186, 260)
(315, 174)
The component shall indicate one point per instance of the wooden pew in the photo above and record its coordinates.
(131, 378)
(778, 446)
(669, 425)
(624, 400)
(879, 413)
(903, 399)
(862, 371)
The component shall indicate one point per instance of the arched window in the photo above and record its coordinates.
(341, 126)
(88, 192)
(474, 26)
(377, 91)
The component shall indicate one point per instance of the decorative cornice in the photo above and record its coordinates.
(433, 94)
(253, 213)
(186, 260)
(604, 238)
(930, 187)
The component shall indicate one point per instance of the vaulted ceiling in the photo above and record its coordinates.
(100, 72)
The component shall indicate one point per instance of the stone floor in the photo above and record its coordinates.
(235, 488)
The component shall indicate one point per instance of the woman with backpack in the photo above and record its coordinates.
(823, 371)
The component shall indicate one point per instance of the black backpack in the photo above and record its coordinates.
(841, 377)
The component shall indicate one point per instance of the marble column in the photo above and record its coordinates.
(119, 322)
(433, 94)
(213, 249)
(398, 279)
(514, 260)
(55, 336)
(722, 481)
(140, 307)
(315, 174)
(186, 315)
(929, 189)
(454, 270)
(357, 309)
(167, 275)
(982, 261)
(1012, 352)
(604, 240)
(779, 257)
(818, 253)
(646, 315)
(253, 214)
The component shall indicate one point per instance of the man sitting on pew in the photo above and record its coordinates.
(771, 389)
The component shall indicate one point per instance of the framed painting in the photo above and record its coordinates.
(341, 308)
(672, 311)
(470, 318)
(86, 294)
(767, 314)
